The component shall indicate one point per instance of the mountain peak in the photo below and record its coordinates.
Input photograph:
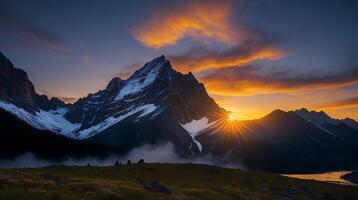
(115, 81)
(279, 116)
(15, 87)
(305, 110)
(156, 63)
(277, 112)
(302, 110)
(56, 103)
(322, 118)
(156, 60)
(161, 57)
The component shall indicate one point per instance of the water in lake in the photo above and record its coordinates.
(331, 177)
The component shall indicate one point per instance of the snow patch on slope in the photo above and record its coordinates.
(143, 110)
(194, 127)
(325, 130)
(320, 127)
(55, 121)
(52, 120)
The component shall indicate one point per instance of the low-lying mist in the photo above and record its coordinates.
(162, 153)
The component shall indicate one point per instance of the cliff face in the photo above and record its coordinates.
(15, 87)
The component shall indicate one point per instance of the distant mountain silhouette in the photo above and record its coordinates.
(285, 142)
(322, 118)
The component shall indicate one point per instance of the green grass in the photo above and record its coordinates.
(186, 181)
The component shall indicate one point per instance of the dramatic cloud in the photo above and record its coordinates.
(248, 80)
(20, 28)
(341, 103)
(195, 19)
(201, 59)
(202, 21)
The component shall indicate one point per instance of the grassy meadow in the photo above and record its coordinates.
(161, 181)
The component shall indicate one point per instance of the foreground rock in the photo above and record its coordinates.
(155, 186)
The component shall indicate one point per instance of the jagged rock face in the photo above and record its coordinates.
(15, 87)
(173, 93)
(321, 118)
(187, 99)
(56, 103)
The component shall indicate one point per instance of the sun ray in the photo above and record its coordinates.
(230, 127)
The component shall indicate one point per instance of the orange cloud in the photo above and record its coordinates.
(203, 20)
(196, 19)
(202, 59)
(248, 80)
(342, 103)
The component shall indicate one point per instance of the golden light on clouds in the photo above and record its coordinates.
(341, 103)
(252, 80)
(232, 57)
(202, 21)
(248, 88)
(228, 69)
(195, 19)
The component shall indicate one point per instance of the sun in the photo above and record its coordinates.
(229, 125)
(231, 117)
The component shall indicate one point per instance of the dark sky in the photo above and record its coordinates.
(291, 53)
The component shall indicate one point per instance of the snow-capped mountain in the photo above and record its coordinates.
(154, 92)
(321, 118)
(155, 104)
